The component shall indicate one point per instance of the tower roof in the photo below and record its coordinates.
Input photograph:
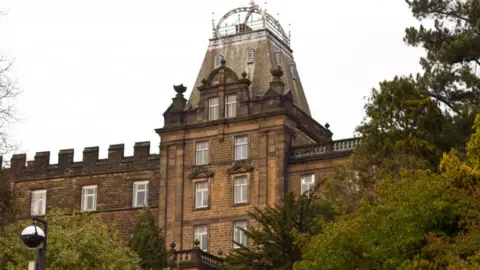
(254, 42)
(252, 17)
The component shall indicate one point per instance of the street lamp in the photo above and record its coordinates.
(34, 237)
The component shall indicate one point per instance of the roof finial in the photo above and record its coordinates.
(289, 33)
(213, 25)
(252, 3)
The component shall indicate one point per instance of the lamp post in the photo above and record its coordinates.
(34, 237)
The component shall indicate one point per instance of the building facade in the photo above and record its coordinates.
(242, 140)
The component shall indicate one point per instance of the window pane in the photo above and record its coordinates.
(241, 180)
(205, 198)
(90, 203)
(198, 199)
(231, 98)
(244, 193)
(39, 210)
(236, 192)
(140, 198)
(238, 235)
(204, 242)
(38, 203)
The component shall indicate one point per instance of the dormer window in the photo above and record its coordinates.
(278, 58)
(293, 71)
(250, 55)
(218, 60)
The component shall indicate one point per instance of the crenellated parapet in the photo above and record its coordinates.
(40, 167)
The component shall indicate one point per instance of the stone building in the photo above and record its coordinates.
(243, 138)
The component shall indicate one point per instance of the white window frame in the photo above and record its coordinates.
(37, 197)
(238, 235)
(240, 189)
(201, 234)
(136, 190)
(293, 71)
(218, 61)
(306, 186)
(213, 109)
(241, 148)
(250, 55)
(201, 195)
(86, 196)
(230, 106)
(201, 153)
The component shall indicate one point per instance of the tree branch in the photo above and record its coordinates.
(444, 101)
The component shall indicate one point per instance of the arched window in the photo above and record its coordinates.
(250, 55)
(293, 71)
(218, 59)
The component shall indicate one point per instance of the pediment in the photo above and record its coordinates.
(240, 167)
(221, 75)
(200, 172)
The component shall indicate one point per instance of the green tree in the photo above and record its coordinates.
(420, 118)
(451, 66)
(424, 220)
(76, 241)
(148, 242)
(272, 237)
(401, 121)
(8, 203)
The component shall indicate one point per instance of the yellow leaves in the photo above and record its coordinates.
(473, 145)
(466, 173)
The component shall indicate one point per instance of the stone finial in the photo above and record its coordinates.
(244, 74)
(327, 125)
(276, 84)
(179, 101)
(223, 62)
(276, 72)
(180, 89)
(196, 243)
(204, 81)
(172, 245)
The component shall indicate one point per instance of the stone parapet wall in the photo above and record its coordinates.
(40, 167)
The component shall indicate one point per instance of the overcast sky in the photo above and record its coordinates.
(101, 72)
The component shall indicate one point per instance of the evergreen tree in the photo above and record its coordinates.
(148, 242)
(420, 117)
(273, 241)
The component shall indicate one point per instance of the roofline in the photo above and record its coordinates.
(255, 31)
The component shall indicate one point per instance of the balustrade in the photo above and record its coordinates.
(319, 149)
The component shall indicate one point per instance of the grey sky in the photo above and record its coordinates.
(100, 72)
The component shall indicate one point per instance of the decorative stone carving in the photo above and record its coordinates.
(240, 167)
(200, 172)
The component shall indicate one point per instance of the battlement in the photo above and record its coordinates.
(40, 167)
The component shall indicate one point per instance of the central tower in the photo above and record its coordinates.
(226, 150)
(252, 41)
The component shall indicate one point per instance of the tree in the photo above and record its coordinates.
(75, 241)
(8, 202)
(8, 93)
(148, 242)
(275, 243)
(402, 121)
(452, 65)
(422, 117)
(424, 220)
